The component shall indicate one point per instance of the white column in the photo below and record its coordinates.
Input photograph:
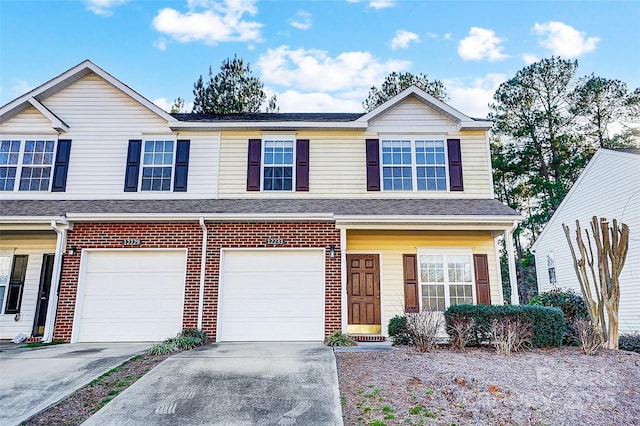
(508, 240)
(61, 237)
(343, 277)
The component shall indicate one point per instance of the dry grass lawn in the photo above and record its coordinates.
(559, 386)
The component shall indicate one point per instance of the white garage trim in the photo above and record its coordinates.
(83, 272)
(318, 286)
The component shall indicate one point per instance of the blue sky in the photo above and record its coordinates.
(315, 55)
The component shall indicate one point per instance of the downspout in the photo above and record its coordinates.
(203, 266)
(52, 308)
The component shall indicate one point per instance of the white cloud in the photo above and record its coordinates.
(160, 44)
(315, 70)
(481, 43)
(564, 40)
(382, 4)
(377, 4)
(210, 21)
(103, 7)
(447, 36)
(473, 98)
(301, 21)
(530, 58)
(166, 104)
(403, 38)
(294, 101)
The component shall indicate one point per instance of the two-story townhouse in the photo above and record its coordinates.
(121, 222)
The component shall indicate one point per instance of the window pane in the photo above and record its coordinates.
(35, 178)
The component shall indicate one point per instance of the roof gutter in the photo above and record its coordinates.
(161, 217)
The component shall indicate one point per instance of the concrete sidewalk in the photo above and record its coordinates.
(234, 384)
(34, 379)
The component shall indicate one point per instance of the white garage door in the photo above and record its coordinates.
(129, 296)
(271, 295)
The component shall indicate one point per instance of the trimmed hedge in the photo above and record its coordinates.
(571, 303)
(548, 324)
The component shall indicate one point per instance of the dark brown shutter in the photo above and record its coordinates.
(373, 165)
(16, 284)
(455, 165)
(411, 298)
(253, 165)
(483, 290)
(61, 167)
(302, 165)
(182, 166)
(133, 166)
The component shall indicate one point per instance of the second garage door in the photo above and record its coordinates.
(271, 295)
(129, 295)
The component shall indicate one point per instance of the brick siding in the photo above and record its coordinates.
(189, 235)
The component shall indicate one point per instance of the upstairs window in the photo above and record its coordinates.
(551, 267)
(414, 164)
(157, 166)
(33, 164)
(277, 169)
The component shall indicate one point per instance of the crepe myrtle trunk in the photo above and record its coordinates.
(601, 288)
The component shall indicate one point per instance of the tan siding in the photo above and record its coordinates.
(29, 122)
(337, 167)
(101, 121)
(393, 244)
(412, 115)
(34, 247)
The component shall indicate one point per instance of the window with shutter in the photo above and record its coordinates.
(414, 163)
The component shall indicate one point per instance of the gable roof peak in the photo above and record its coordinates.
(463, 121)
(65, 79)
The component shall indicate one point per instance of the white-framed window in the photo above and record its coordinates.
(157, 165)
(26, 164)
(5, 272)
(446, 278)
(278, 155)
(413, 164)
(551, 267)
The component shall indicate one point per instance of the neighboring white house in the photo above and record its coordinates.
(608, 187)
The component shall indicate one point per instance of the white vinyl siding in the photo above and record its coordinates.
(101, 122)
(34, 246)
(608, 187)
(271, 295)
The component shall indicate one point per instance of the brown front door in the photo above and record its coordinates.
(363, 293)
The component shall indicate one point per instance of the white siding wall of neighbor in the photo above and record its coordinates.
(608, 187)
(34, 247)
(101, 122)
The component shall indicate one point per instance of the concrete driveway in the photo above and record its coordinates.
(234, 384)
(34, 379)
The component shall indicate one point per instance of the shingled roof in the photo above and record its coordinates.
(338, 207)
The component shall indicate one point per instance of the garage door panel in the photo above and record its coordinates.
(131, 295)
(272, 295)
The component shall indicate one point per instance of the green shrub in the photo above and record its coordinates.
(398, 330)
(162, 349)
(338, 338)
(196, 333)
(573, 306)
(548, 323)
(184, 342)
(629, 342)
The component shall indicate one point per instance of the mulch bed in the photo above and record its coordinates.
(559, 386)
(83, 403)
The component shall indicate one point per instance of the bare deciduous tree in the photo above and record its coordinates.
(601, 289)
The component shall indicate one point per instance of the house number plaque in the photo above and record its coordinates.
(131, 242)
(274, 241)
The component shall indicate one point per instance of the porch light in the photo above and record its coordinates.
(73, 250)
(332, 251)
